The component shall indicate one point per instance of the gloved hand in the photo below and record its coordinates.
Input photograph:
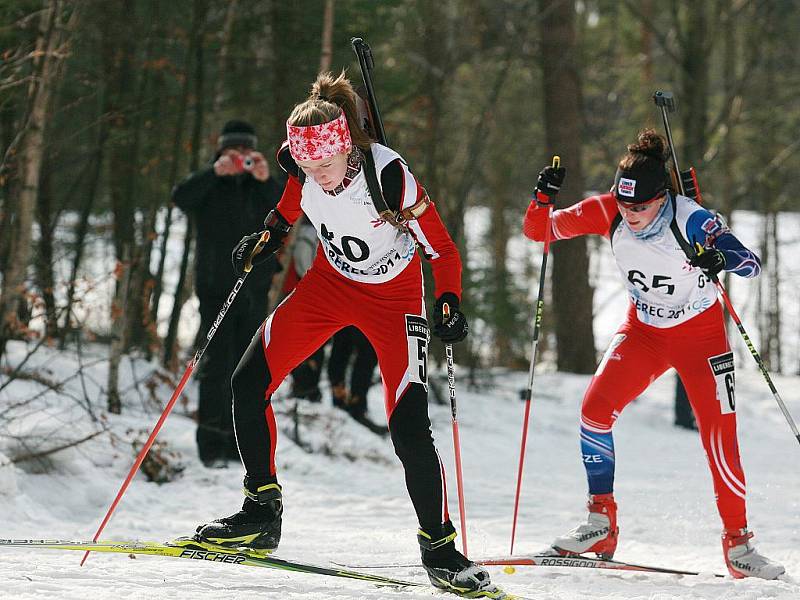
(277, 227)
(549, 183)
(454, 328)
(710, 260)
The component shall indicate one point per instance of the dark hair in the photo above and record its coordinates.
(648, 153)
(329, 97)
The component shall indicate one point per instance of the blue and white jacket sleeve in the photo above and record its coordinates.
(709, 231)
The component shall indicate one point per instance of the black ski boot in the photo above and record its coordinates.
(256, 526)
(450, 570)
(357, 407)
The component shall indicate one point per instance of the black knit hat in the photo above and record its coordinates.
(640, 185)
(237, 133)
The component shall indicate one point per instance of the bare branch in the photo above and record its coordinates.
(43, 453)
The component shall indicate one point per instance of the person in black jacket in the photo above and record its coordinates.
(227, 199)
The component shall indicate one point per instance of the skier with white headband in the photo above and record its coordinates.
(366, 273)
(674, 320)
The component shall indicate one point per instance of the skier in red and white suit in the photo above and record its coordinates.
(366, 273)
(674, 320)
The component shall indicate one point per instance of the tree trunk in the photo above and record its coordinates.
(502, 310)
(7, 191)
(224, 51)
(327, 37)
(196, 45)
(175, 162)
(137, 316)
(762, 293)
(646, 44)
(82, 227)
(119, 43)
(729, 82)
(45, 278)
(694, 85)
(774, 341)
(31, 152)
(118, 341)
(561, 85)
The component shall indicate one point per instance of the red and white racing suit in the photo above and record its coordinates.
(674, 320)
(366, 273)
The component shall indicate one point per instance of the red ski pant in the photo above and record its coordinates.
(392, 317)
(698, 350)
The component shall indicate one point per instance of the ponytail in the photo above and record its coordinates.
(647, 153)
(330, 97)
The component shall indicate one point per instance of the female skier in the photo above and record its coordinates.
(674, 320)
(366, 273)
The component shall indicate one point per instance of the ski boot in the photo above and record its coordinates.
(256, 526)
(743, 559)
(450, 570)
(598, 534)
(358, 410)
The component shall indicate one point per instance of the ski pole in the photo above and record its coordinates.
(176, 394)
(666, 102)
(451, 381)
(366, 63)
(537, 324)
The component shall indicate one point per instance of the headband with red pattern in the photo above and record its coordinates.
(315, 142)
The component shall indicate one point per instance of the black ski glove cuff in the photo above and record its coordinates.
(275, 222)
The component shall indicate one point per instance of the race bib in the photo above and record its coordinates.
(722, 368)
(417, 338)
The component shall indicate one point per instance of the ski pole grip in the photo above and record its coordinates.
(248, 264)
(556, 161)
(699, 249)
(446, 311)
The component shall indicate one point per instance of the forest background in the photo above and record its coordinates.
(106, 104)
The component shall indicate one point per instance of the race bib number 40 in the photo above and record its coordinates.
(722, 368)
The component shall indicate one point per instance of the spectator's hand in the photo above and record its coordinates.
(260, 168)
(229, 163)
(454, 327)
(548, 185)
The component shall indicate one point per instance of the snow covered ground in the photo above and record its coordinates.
(347, 502)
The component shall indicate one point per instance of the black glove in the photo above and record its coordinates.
(711, 261)
(453, 329)
(549, 183)
(277, 227)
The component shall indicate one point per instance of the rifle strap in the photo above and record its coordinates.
(398, 218)
(676, 231)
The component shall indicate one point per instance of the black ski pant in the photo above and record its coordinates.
(395, 326)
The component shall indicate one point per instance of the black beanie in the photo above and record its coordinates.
(640, 185)
(237, 133)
